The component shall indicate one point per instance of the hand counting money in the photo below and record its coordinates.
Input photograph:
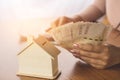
(81, 33)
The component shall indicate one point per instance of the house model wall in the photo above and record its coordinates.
(39, 59)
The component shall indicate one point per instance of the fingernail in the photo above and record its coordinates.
(72, 51)
(75, 45)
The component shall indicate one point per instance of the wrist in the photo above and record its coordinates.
(113, 38)
(77, 18)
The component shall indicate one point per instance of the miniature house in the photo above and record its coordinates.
(39, 59)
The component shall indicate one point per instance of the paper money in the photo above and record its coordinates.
(80, 32)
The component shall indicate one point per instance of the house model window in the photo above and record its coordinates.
(39, 59)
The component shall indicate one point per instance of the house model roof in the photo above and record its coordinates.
(45, 44)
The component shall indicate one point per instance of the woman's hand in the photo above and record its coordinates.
(60, 21)
(56, 23)
(100, 56)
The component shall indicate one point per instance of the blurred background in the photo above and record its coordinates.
(28, 17)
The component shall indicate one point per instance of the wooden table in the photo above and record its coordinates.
(74, 69)
(71, 68)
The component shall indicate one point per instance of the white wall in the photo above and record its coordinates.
(39, 13)
(40, 8)
(27, 16)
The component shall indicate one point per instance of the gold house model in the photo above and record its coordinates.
(39, 59)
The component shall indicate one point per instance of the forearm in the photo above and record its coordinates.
(93, 12)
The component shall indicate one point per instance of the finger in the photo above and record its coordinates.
(77, 51)
(61, 21)
(97, 66)
(55, 23)
(76, 46)
(89, 54)
(92, 60)
(94, 55)
(88, 47)
(77, 55)
(106, 51)
(48, 36)
(98, 48)
(74, 52)
(64, 20)
(47, 30)
(91, 47)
